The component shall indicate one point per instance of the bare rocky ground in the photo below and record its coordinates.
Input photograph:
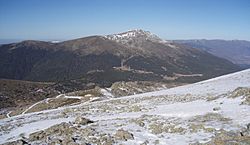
(210, 112)
(17, 94)
(118, 89)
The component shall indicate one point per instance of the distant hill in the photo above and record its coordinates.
(236, 51)
(132, 55)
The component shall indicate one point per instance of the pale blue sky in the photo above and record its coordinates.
(170, 19)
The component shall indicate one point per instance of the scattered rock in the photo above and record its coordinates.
(82, 121)
(142, 124)
(18, 142)
(145, 142)
(248, 126)
(194, 128)
(216, 108)
(210, 117)
(123, 135)
(37, 135)
(88, 131)
(240, 91)
(130, 88)
(156, 128)
(246, 131)
(157, 142)
(135, 108)
(229, 138)
(212, 98)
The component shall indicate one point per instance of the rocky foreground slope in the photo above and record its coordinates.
(215, 111)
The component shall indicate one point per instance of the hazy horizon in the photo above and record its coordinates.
(8, 41)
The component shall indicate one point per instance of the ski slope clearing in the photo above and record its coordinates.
(205, 112)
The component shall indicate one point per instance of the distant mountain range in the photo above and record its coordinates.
(7, 41)
(133, 55)
(236, 51)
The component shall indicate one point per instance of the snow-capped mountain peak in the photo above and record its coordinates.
(135, 35)
(132, 33)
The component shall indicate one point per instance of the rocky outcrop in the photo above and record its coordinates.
(82, 121)
(123, 135)
(130, 88)
(243, 92)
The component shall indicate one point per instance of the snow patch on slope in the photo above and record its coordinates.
(219, 85)
(32, 127)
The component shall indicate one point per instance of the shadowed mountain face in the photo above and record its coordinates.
(236, 51)
(133, 55)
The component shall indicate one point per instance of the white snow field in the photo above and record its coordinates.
(183, 115)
